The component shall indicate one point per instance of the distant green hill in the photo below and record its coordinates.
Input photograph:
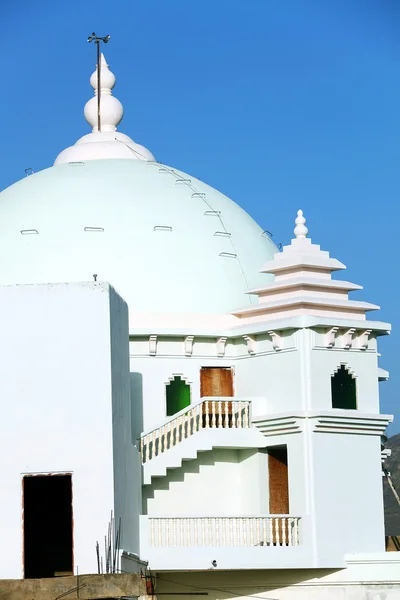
(392, 509)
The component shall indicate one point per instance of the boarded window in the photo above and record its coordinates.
(344, 394)
(278, 481)
(178, 395)
(216, 381)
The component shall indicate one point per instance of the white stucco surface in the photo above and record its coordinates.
(347, 468)
(126, 458)
(217, 482)
(62, 392)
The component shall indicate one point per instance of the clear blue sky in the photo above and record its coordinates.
(280, 104)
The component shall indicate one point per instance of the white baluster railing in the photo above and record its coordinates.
(208, 414)
(224, 531)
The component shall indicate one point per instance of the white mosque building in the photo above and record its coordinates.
(162, 360)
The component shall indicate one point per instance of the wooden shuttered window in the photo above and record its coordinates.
(216, 381)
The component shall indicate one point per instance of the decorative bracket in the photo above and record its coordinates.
(251, 344)
(189, 345)
(385, 454)
(348, 338)
(221, 343)
(153, 345)
(330, 337)
(276, 340)
(364, 338)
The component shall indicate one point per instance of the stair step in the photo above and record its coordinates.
(203, 441)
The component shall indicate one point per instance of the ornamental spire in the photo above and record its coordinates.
(300, 231)
(109, 112)
(103, 112)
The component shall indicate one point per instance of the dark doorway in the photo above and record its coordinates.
(47, 526)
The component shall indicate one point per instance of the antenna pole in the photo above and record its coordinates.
(98, 86)
(94, 38)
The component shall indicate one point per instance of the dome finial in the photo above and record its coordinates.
(300, 231)
(103, 112)
(110, 108)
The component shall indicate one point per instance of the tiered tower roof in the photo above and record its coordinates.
(304, 285)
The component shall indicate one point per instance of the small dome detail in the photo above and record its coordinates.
(106, 143)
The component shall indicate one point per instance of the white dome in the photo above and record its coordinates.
(166, 241)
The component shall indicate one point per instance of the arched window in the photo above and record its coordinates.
(178, 395)
(344, 393)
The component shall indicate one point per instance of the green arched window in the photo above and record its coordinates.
(178, 395)
(344, 394)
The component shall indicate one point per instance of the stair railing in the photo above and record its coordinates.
(209, 413)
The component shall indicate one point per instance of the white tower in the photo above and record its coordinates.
(322, 397)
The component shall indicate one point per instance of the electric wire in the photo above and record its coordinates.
(206, 588)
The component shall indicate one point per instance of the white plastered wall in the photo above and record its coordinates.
(272, 378)
(217, 483)
(348, 499)
(56, 384)
(127, 462)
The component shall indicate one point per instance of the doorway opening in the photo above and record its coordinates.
(217, 382)
(278, 491)
(48, 541)
(278, 480)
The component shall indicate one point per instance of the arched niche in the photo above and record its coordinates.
(177, 395)
(344, 390)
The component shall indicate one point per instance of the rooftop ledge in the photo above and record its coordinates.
(329, 421)
(305, 282)
(307, 301)
(200, 326)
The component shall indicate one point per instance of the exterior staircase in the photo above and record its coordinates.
(212, 423)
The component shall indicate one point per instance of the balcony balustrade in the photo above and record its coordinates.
(282, 530)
